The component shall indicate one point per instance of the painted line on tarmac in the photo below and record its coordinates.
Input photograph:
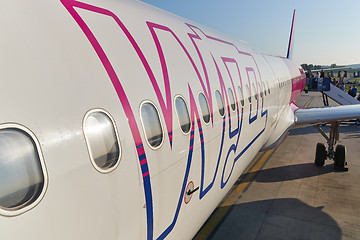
(308, 102)
(218, 215)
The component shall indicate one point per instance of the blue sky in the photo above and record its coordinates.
(327, 31)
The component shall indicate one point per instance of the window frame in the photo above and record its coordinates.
(260, 95)
(177, 114)
(222, 100)
(208, 107)
(248, 93)
(255, 92)
(241, 96)
(264, 89)
(268, 87)
(233, 98)
(29, 204)
(143, 127)
(99, 169)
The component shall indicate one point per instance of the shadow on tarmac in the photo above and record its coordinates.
(288, 173)
(286, 218)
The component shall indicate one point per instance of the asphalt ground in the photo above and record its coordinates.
(283, 195)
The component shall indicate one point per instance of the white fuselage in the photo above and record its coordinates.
(61, 59)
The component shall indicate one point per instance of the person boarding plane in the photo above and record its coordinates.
(122, 121)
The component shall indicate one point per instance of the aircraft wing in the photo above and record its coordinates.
(326, 114)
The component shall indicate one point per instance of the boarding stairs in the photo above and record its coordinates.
(335, 93)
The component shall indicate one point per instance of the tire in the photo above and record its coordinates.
(320, 155)
(340, 155)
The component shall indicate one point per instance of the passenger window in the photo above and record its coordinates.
(152, 125)
(102, 140)
(220, 103)
(204, 107)
(241, 96)
(268, 87)
(22, 170)
(255, 92)
(260, 90)
(264, 88)
(232, 99)
(183, 114)
(248, 93)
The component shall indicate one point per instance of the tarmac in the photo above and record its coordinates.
(283, 195)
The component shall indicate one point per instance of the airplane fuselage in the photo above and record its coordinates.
(62, 59)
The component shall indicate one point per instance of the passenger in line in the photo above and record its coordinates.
(335, 82)
(349, 91)
(342, 87)
(353, 92)
(316, 81)
(322, 74)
